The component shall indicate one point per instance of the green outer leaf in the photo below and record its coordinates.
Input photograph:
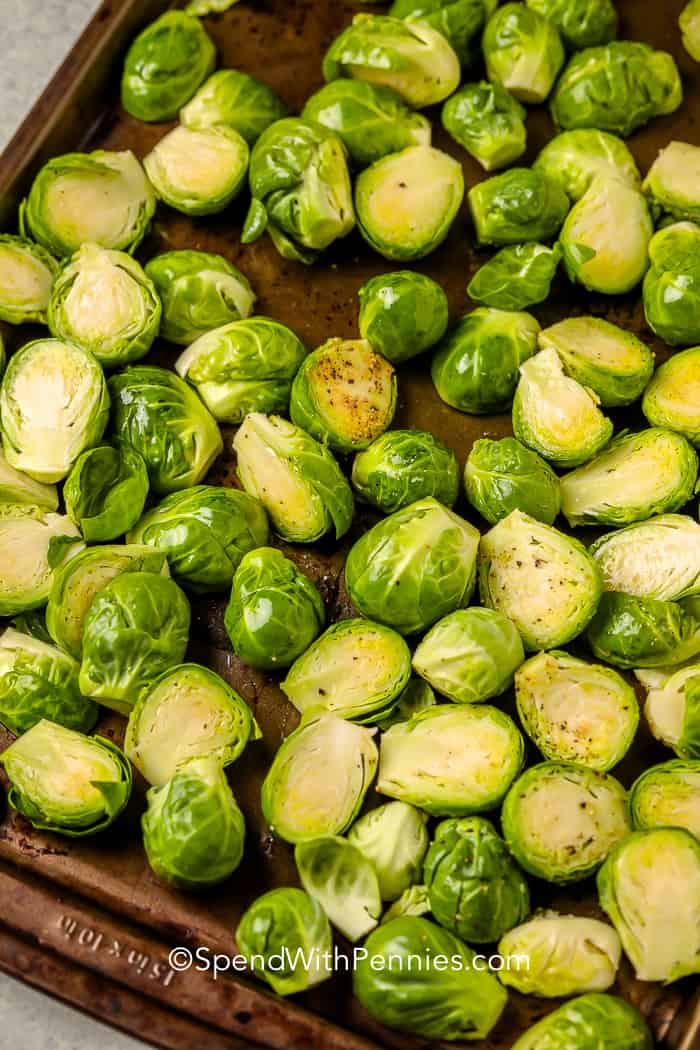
(343, 881)
(106, 491)
(516, 277)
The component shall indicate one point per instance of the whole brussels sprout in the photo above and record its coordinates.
(65, 781)
(413, 901)
(520, 205)
(403, 466)
(234, 100)
(394, 839)
(402, 314)
(412, 58)
(165, 65)
(476, 366)
(488, 122)
(198, 171)
(459, 21)
(17, 487)
(659, 558)
(274, 613)
(605, 1018)
(407, 201)
(163, 419)
(417, 696)
(582, 23)
(561, 820)
(574, 711)
(199, 291)
(654, 907)
(673, 711)
(672, 184)
(617, 87)
(193, 830)
(689, 23)
(26, 275)
(451, 760)
(414, 567)
(106, 491)
(35, 542)
(574, 159)
(636, 476)
(371, 120)
(462, 1001)
(672, 284)
(671, 399)
(299, 800)
(474, 887)
(343, 881)
(503, 476)
(518, 276)
(643, 632)
(296, 478)
(545, 582)
(523, 52)
(667, 795)
(100, 198)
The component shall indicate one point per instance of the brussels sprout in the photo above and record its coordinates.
(617, 87)
(26, 275)
(574, 159)
(650, 888)
(574, 711)
(402, 314)
(672, 398)
(580, 1023)
(474, 887)
(66, 782)
(451, 760)
(672, 285)
(343, 881)
(545, 582)
(401, 981)
(459, 21)
(288, 925)
(53, 405)
(34, 543)
(667, 795)
(689, 23)
(299, 800)
(165, 65)
(193, 830)
(371, 120)
(234, 100)
(672, 184)
(17, 487)
(413, 901)
(583, 23)
(274, 613)
(38, 681)
(520, 205)
(407, 201)
(643, 632)
(189, 712)
(673, 711)
(301, 189)
(414, 567)
(503, 476)
(417, 696)
(89, 198)
(518, 276)
(412, 58)
(394, 839)
(198, 171)
(488, 122)
(659, 558)
(403, 466)
(638, 475)
(105, 492)
(561, 820)
(163, 419)
(200, 291)
(523, 52)
(296, 478)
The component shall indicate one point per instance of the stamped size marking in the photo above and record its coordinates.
(94, 940)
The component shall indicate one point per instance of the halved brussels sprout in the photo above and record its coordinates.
(193, 830)
(545, 582)
(617, 87)
(412, 58)
(106, 491)
(299, 800)
(458, 1001)
(659, 558)
(34, 543)
(518, 276)
(274, 613)
(189, 712)
(296, 478)
(417, 696)
(689, 23)
(288, 925)
(371, 120)
(650, 888)
(451, 760)
(574, 159)
(474, 887)
(575, 711)
(503, 476)
(582, 23)
(165, 65)
(163, 419)
(672, 398)
(343, 881)
(234, 100)
(356, 669)
(561, 820)
(53, 405)
(38, 681)
(414, 567)
(198, 171)
(673, 182)
(394, 839)
(668, 795)
(407, 201)
(413, 901)
(403, 466)
(18, 487)
(672, 285)
(672, 710)
(66, 782)
(402, 314)
(635, 477)
(520, 205)
(523, 52)
(594, 1016)
(459, 21)
(643, 632)
(89, 198)
(26, 275)
(476, 366)
(488, 122)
